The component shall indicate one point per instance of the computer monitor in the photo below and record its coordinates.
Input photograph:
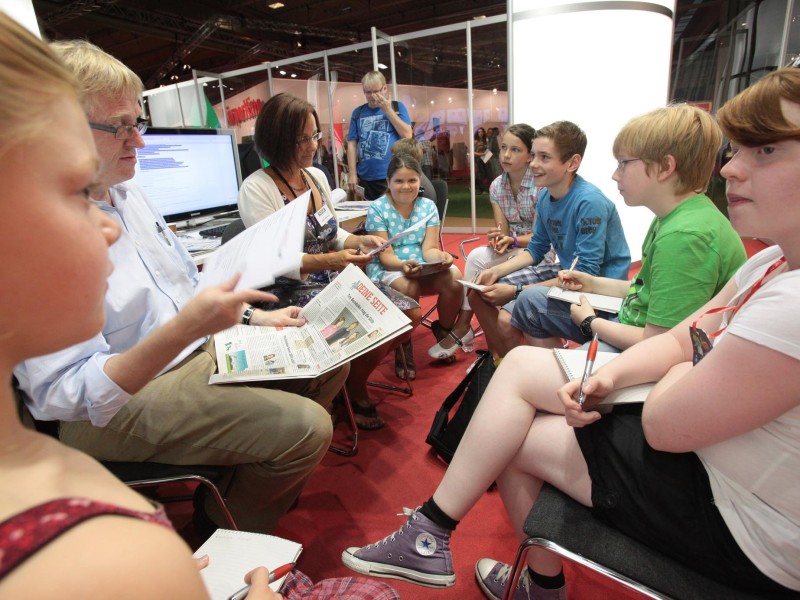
(190, 173)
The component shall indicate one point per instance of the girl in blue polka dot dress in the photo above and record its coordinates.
(399, 266)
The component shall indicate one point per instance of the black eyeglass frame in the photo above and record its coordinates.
(122, 132)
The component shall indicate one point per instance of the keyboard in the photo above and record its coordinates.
(213, 231)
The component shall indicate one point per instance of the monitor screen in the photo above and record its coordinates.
(189, 172)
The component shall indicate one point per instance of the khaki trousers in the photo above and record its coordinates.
(272, 435)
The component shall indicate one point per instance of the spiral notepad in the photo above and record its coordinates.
(573, 362)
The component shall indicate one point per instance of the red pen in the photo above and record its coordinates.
(273, 577)
(590, 356)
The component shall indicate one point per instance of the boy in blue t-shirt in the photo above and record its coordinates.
(374, 128)
(573, 215)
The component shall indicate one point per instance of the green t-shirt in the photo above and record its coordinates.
(687, 257)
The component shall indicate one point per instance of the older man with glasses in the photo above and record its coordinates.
(138, 391)
(374, 127)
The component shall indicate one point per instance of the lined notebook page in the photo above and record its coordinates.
(231, 554)
(573, 362)
(610, 304)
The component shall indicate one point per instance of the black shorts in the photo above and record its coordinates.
(663, 500)
(373, 189)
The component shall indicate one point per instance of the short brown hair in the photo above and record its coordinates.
(687, 133)
(279, 124)
(755, 117)
(408, 146)
(568, 138)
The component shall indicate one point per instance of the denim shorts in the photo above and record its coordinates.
(538, 316)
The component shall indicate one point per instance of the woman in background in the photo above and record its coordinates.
(287, 135)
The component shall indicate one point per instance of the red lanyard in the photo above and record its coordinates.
(756, 286)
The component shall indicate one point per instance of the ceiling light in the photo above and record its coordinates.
(382, 66)
(276, 5)
(282, 72)
(294, 75)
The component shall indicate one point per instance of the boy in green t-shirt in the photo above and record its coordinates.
(665, 160)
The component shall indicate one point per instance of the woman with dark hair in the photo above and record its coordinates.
(287, 135)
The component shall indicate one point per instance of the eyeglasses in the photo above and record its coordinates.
(307, 139)
(373, 92)
(621, 163)
(122, 132)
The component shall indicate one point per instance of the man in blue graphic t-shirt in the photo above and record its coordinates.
(374, 127)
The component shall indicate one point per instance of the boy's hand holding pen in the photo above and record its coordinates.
(571, 269)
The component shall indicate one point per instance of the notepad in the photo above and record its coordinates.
(610, 304)
(428, 268)
(573, 362)
(232, 554)
(472, 285)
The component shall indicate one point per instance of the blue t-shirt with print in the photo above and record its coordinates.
(583, 223)
(375, 134)
(382, 216)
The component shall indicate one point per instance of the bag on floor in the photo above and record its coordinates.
(446, 431)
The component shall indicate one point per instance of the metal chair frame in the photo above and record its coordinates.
(351, 419)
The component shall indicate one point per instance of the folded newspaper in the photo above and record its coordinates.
(348, 318)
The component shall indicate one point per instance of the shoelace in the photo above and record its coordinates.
(524, 580)
(407, 512)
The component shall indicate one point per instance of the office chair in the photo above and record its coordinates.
(561, 525)
(233, 229)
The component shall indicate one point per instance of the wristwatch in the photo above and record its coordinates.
(519, 291)
(586, 325)
(247, 314)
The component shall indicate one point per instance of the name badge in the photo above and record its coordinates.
(323, 215)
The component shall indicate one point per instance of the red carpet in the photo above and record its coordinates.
(353, 501)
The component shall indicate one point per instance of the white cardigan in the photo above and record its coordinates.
(259, 197)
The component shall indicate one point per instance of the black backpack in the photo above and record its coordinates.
(446, 432)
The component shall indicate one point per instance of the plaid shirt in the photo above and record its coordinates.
(299, 587)
(520, 212)
(427, 153)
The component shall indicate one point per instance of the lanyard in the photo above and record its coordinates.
(756, 286)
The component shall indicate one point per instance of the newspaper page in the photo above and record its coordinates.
(279, 236)
(348, 318)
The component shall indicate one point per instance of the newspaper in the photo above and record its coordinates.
(346, 319)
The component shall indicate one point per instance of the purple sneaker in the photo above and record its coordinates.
(493, 576)
(419, 552)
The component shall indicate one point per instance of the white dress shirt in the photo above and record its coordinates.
(153, 278)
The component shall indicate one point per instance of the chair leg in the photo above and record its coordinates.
(351, 419)
(223, 506)
(407, 390)
(534, 542)
(516, 569)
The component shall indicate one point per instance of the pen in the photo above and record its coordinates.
(590, 356)
(571, 268)
(273, 576)
(494, 240)
(160, 229)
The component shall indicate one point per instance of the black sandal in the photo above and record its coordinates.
(410, 372)
(368, 412)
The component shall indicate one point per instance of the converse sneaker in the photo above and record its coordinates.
(418, 552)
(493, 575)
